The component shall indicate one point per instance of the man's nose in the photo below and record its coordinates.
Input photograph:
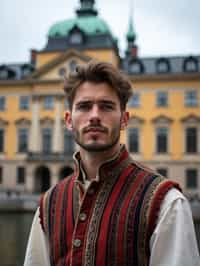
(95, 113)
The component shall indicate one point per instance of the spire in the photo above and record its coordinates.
(87, 8)
(131, 35)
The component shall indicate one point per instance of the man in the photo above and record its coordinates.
(111, 210)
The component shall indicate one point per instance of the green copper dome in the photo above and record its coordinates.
(90, 25)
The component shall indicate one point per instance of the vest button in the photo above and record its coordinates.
(77, 243)
(82, 217)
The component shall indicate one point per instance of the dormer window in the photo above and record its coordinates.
(26, 71)
(76, 38)
(162, 65)
(3, 74)
(136, 67)
(190, 64)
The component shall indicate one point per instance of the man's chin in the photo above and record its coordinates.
(96, 147)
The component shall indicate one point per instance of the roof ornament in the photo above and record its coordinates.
(87, 8)
(131, 35)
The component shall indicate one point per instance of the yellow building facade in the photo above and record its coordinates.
(164, 128)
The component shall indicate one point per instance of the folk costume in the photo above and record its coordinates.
(112, 220)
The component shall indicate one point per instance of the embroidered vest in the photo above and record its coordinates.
(109, 224)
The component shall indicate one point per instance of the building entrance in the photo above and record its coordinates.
(42, 179)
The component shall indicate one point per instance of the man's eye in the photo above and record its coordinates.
(83, 107)
(107, 107)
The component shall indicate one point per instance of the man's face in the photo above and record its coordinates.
(96, 118)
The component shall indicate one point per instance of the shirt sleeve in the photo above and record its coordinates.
(37, 252)
(173, 241)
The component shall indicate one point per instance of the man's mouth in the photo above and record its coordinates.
(95, 129)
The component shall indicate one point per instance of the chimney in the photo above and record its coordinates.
(33, 56)
(134, 51)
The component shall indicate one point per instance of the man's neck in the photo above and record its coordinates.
(91, 161)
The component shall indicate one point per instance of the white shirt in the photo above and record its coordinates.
(173, 242)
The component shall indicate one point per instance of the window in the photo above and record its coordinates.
(191, 140)
(3, 74)
(162, 140)
(134, 100)
(162, 171)
(136, 67)
(2, 103)
(21, 174)
(1, 175)
(22, 140)
(162, 99)
(66, 104)
(62, 71)
(48, 102)
(1, 140)
(190, 64)
(191, 178)
(133, 139)
(26, 71)
(191, 98)
(76, 38)
(162, 66)
(46, 140)
(24, 102)
(72, 66)
(68, 142)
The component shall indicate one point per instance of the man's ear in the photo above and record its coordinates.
(124, 121)
(68, 121)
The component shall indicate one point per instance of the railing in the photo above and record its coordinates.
(33, 156)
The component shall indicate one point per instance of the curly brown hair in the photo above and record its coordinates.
(98, 72)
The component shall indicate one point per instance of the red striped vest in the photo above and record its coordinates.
(109, 224)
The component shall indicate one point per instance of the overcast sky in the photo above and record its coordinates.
(163, 27)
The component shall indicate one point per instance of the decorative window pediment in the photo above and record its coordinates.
(135, 120)
(3, 122)
(23, 122)
(46, 121)
(191, 119)
(162, 119)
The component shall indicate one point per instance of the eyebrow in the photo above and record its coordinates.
(98, 102)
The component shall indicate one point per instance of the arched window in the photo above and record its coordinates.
(162, 65)
(76, 38)
(136, 67)
(190, 64)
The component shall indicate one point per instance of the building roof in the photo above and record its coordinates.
(90, 25)
(85, 30)
(161, 65)
(16, 71)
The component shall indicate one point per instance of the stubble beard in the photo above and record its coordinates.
(98, 147)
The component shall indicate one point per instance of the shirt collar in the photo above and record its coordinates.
(109, 168)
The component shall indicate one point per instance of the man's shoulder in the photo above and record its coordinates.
(143, 168)
(151, 176)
